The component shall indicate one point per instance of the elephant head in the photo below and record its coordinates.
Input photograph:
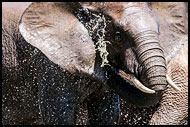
(53, 28)
(141, 53)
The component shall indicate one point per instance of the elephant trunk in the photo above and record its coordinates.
(151, 58)
(143, 28)
(141, 25)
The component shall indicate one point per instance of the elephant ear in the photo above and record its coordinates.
(173, 28)
(53, 29)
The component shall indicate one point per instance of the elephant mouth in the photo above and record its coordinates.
(130, 79)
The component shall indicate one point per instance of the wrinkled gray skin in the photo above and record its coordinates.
(58, 87)
(44, 24)
(173, 107)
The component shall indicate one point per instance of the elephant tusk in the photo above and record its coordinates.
(133, 80)
(172, 84)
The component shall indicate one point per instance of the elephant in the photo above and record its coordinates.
(66, 95)
(39, 28)
(173, 109)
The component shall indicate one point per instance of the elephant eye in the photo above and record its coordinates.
(118, 36)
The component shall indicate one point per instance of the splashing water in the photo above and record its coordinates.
(96, 27)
